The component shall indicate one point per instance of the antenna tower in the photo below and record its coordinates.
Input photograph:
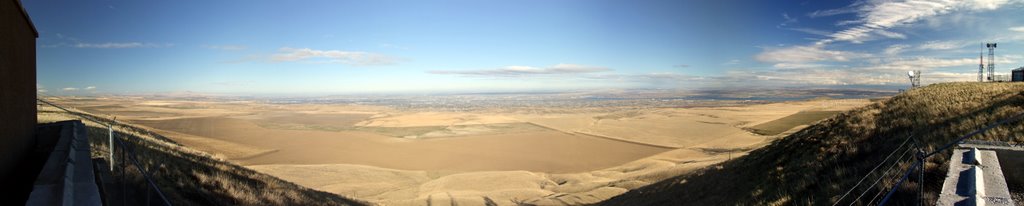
(981, 63)
(991, 61)
(915, 78)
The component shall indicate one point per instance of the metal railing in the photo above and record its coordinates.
(917, 165)
(128, 158)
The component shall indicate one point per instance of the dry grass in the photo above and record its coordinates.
(191, 177)
(820, 163)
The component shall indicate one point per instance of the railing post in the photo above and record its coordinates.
(110, 143)
(920, 178)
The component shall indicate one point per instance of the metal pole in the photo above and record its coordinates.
(920, 178)
(110, 131)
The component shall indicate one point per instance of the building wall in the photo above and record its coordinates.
(17, 86)
(1018, 75)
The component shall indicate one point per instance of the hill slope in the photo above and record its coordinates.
(191, 177)
(820, 163)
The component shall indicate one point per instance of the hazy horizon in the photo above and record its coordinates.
(355, 47)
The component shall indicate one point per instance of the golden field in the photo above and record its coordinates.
(393, 156)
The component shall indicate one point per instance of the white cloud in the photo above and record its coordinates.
(90, 88)
(833, 12)
(787, 20)
(119, 45)
(812, 31)
(890, 34)
(333, 56)
(41, 90)
(875, 20)
(877, 17)
(797, 65)
(70, 89)
(883, 72)
(933, 77)
(895, 49)
(523, 71)
(226, 47)
(812, 53)
(941, 45)
(919, 63)
(985, 4)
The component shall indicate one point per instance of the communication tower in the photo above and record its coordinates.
(981, 63)
(991, 61)
(915, 78)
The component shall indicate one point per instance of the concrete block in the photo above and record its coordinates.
(976, 184)
(972, 157)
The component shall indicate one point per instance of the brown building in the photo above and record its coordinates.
(17, 87)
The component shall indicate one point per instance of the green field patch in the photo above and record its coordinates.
(784, 124)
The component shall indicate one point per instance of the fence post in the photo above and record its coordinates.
(920, 178)
(110, 143)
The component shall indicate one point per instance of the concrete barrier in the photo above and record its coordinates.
(976, 184)
(67, 177)
(973, 157)
(977, 200)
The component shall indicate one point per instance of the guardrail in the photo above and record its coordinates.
(128, 159)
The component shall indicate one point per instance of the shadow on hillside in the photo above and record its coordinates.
(186, 176)
(189, 178)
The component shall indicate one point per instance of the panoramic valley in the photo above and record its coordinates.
(524, 103)
(531, 152)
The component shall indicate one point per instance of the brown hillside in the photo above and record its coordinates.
(818, 164)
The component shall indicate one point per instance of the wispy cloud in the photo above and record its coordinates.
(226, 47)
(526, 71)
(941, 45)
(883, 72)
(647, 78)
(356, 58)
(115, 45)
(798, 65)
(681, 65)
(832, 12)
(889, 34)
(72, 42)
(875, 18)
(787, 20)
(812, 53)
(918, 63)
(70, 89)
(1017, 29)
(895, 49)
(90, 88)
(812, 31)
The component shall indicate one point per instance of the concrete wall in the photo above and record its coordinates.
(17, 86)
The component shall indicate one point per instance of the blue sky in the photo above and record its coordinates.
(326, 47)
